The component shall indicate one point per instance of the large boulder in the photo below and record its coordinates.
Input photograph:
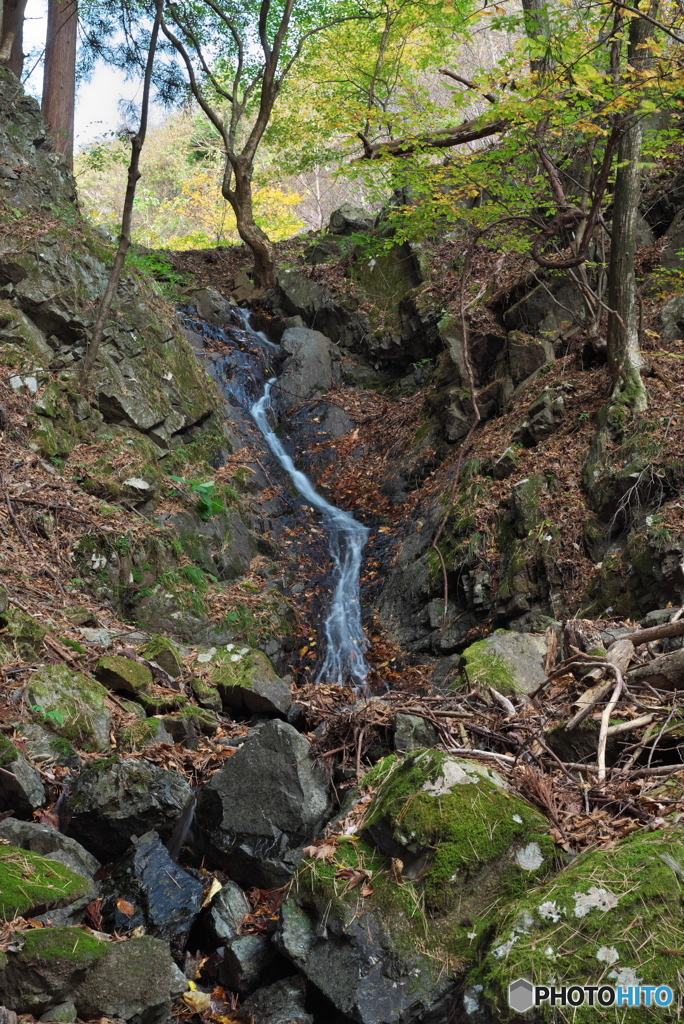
(72, 705)
(164, 899)
(510, 662)
(21, 785)
(115, 799)
(243, 679)
(611, 918)
(133, 981)
(387, 949)
(256, 812)
(348, 219)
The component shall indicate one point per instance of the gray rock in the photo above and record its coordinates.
(42, 746)
(118, 798)
(74, 705)
(555, 315)
(135, 981)
(672, 319)
(307, 370)
(63, 1012)
(43, 839)
(21, 785)
(213, 306)
(244, 960)
(671, 257)
(527, 355)
(257, 811)
(658, 617)
(510, 662)
(412, 732)
(347, 219)
(166, 899)
(543, 418)
(281, 1003)
(228, 910)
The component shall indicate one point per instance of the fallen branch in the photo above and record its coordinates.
(636, 723)
(605, 722)
(645, 636)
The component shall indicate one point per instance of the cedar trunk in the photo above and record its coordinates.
(12, 38)
(59, 83)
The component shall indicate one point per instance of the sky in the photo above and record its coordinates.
(97, 101)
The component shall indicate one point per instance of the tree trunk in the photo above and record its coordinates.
(624, 357)
(240, 198)
(59, 83)
(137, 143)
(12, 39)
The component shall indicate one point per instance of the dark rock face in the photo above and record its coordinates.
(166, 899)
(245, 959)
(117, 799)
(21, 787)
(269, 799)
(228, 910)
(281, 1003)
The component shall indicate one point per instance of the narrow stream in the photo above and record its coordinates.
(346, 641)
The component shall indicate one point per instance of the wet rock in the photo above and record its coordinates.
(124, 674)
(21, 785)
(165, 899)
(131, 981)
(245, 959)
(281, 1003)
(412, 732)
(307, 370)
(257, 811)
(47, 841)
(228, 910)
(459, 839)
(114, 799)
(212, 306)
(510, 662)
(348, 219)
(31, 884)
(73, 704)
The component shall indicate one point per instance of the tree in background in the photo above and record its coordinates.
(12, 35)
(237, 56)
(59, 76)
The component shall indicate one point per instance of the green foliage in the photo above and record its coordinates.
(54, 715)
(209, 503)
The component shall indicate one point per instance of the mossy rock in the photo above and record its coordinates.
(21, 785)
(46, 966)
(612, 917)
(166, 654)
(510, 662)
(455, 826)
(118, 673)
(31, 884)
(22, 633)
(145, 732)
(245, 679)
(206, 695)
(72, 705)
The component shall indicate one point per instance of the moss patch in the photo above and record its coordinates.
(22, 633)
(72, 705)
(31, 884)
(611, 916)
(71, 944)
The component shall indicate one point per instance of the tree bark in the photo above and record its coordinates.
(134, 174)
(624, 358)
(12, 38)
(240, 198)
(59, 82)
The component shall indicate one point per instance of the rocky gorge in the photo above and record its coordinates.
(198, 820)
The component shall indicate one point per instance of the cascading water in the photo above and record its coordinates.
(345, 638)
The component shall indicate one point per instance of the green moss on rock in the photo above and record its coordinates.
(71, 944)
(611, 917)
(31, 884)
(120, 673)
(23, 633)
(72, 705)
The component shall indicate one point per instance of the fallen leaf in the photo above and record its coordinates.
(321, 850)
(354, 876)
(367, 890)
(125, 907)
(396, 867)
(198, 1001)
(211, 892)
